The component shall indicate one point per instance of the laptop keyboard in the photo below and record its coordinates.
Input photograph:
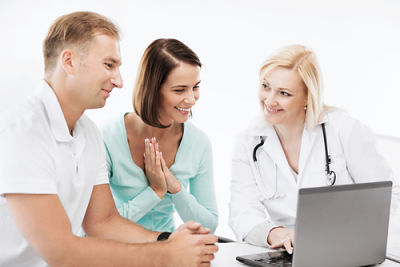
(282, 259)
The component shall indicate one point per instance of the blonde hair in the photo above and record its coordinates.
(302, 60)
(77, 28)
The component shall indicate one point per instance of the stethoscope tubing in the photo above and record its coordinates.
(331, 175)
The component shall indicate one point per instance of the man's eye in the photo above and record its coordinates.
(108, 65)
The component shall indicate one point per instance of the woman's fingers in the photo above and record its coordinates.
(146, 152)
(158, 159)
(152, 154)
(163, 164)
(153, 170)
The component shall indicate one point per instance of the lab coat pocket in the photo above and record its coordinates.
(267, 181)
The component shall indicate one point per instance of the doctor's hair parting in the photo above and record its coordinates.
(304, 61)
(76, 29)
(159, 59)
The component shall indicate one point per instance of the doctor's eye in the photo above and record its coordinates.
(285, 93)
(264, 86)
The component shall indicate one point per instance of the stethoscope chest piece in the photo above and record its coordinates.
(331, 178)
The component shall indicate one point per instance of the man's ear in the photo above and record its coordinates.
(69, 60)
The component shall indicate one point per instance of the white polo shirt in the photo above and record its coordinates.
(39, 156)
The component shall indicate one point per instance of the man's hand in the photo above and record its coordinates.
(191, 245)
(192, 226)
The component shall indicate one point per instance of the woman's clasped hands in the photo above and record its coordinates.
(160, 178)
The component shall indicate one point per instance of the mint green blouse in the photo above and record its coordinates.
(136, 200)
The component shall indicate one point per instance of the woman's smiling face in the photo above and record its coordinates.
(283, 96)
(179, 93)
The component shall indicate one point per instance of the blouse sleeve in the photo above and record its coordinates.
(135, 208)
(200, 203)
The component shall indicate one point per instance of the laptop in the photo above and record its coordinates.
(342, 225)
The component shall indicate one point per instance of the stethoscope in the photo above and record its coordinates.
(330, 175)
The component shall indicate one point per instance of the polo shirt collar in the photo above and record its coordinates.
(57, 121)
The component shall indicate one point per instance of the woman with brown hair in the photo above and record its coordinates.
(158, 161)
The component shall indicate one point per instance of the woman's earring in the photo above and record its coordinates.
(305, 107)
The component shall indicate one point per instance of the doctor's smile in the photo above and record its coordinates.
(271, 110)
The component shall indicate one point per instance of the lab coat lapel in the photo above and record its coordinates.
(307, 144)
(274, 149)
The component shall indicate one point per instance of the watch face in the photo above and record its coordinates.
(163, 236)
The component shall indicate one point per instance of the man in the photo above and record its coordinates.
(53, 176)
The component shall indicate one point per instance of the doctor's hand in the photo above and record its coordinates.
(153, 169)
(191, 245)
(173, 185)
(281, 237)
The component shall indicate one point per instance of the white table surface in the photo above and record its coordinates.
(226, 256)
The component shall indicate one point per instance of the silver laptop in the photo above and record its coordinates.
(343, 225)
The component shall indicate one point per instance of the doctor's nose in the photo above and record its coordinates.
(271, 100)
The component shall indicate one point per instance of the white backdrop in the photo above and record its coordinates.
(357, 43)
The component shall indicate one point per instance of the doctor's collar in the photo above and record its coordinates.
(260, 127)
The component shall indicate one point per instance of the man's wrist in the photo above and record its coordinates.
(163, 236)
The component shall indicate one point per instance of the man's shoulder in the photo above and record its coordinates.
(28, 116)
(90, 129)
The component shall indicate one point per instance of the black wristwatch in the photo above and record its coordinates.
(163, 236)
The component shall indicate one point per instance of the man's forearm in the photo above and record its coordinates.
(121, 229)
(100, 252)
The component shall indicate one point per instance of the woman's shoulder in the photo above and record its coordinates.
(193, 131)
(114, 126)
(257, 126)
(344, 124)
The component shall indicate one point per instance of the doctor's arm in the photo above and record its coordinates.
(364, 162)
(248, 217)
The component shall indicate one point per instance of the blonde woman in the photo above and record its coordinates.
(284, 150)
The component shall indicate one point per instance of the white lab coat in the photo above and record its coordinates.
(259, 199)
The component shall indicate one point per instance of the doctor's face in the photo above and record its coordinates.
(283, 96)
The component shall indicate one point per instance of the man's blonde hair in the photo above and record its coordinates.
(76, 29)
(302, 60)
